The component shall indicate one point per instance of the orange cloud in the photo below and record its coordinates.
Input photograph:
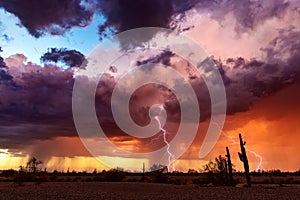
(270, 128)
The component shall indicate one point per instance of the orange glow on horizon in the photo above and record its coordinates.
(270, 129)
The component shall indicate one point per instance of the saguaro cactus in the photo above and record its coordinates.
(226, 172)
(229, 166)
(244, 159)
(143, 178)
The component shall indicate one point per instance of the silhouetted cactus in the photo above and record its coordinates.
(226, 172)
(229, 166)
(143, 178)
(244, 159)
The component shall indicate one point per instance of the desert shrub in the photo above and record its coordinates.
(112, 175)
(276, 172)
(53, 177)
(192, 172)
(9, 173)
(22, 177)
(217, 170)
(95, 172)
(158, 173)
(159, 176)
(83, 173)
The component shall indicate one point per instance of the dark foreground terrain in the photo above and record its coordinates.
(123, 190)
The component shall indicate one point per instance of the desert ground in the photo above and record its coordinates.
(125, 190)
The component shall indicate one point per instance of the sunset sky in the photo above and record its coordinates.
(255, 46)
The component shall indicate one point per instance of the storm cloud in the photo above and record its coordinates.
(49, 16)
(57, 16)
(40, 107)
(36, 101)
(39, 101)
(71, 58)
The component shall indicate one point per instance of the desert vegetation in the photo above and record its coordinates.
(214, 173)
(117, 184)
(218, 174)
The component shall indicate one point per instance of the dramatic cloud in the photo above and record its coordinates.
(49, 16)
(56, 16)
(124, 15)
(36, 106)
(71, 58)
(40, 107)
(36, 101)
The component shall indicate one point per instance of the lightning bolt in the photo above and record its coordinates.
(251, 151)
(171, 156)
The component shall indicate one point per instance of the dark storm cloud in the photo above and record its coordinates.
(48, 16)
(57, 16)
(38, 107)
(124, 15)
(71, 58)
(251, 80)
(128, 14)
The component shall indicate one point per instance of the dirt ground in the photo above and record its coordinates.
(100, 190)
